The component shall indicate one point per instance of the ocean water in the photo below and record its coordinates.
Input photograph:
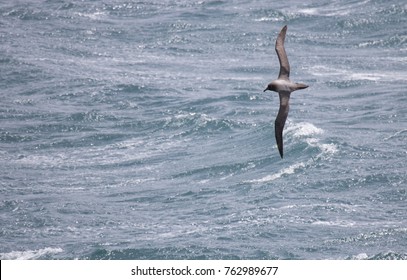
(140, 130)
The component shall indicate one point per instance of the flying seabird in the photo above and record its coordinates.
(284, 87)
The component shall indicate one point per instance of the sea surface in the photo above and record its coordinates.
(140, 130)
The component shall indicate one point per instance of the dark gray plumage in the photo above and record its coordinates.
(284, 87)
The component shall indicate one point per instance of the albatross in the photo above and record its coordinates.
(284, 87)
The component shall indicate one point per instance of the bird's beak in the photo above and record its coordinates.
(265, 90)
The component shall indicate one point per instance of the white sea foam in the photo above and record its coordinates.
(333, 9)
(303, 129)
(267, 19)
(29, 254)
(350, 74)
(397, 134)
(326, 71)
(334, 223)
(95, 16)
(285, 171)
(361, 256)
(308, 133)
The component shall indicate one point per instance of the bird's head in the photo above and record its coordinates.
(271, 87)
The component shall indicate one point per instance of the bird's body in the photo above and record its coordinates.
(284, 87)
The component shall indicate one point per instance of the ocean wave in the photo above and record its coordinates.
(306, 133)
(393, 41)
(163, 253)
(334, 9)
(197, 123)
(347, 78)
(44, 253)
(380, 256)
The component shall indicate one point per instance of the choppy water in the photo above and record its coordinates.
(140, 130)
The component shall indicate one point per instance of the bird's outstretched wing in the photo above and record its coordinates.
(282, 56)
(280, 120)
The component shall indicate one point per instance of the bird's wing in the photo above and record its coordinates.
(280, 120)
(282, 56)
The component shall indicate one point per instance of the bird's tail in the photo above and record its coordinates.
(300, 86)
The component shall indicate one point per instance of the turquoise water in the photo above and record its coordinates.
(140, 130)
